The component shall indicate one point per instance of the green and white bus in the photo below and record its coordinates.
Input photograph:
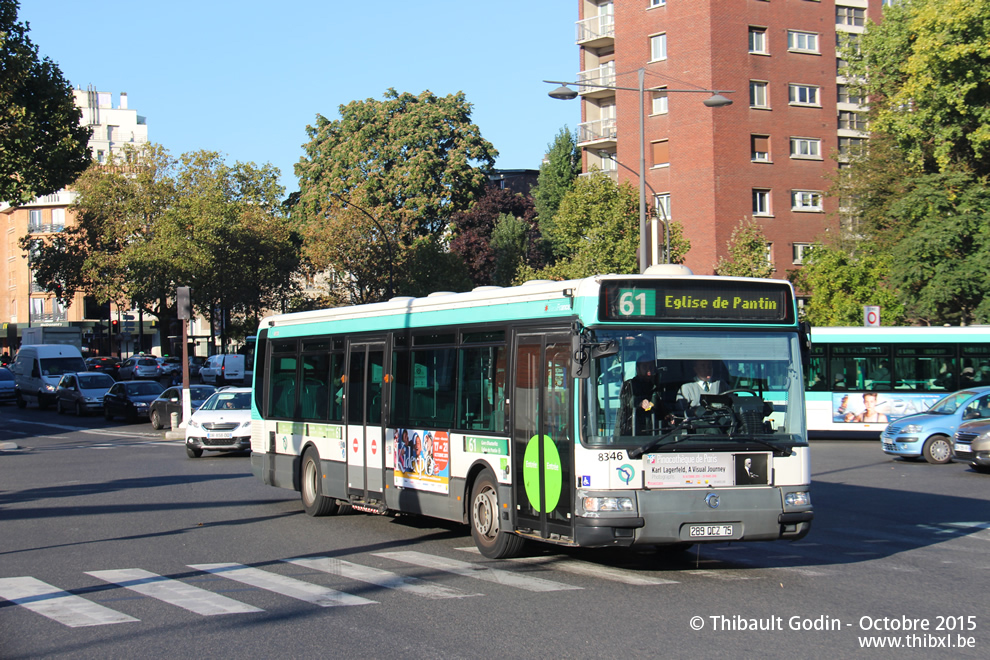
(518, 410)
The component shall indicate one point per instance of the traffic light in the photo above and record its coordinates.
(114, 326)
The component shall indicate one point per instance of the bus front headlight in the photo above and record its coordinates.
(800, 498)
(607, 504)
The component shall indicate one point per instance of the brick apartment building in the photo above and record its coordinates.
(768, 156)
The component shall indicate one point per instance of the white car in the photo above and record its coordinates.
(222, 423)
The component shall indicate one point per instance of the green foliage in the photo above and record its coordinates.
(596, 229)
(406, 163)
(927, 72)
(42, 146)
(557, 176)
(509, 243)
(144, 229)
(842, 284)
(747, 252)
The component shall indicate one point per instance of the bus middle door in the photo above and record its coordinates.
(543, 434)
(365, 433)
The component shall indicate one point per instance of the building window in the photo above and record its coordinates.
(845, 94)
(759, 148)
(661, 202)
(810, 148)
(58, 219)
(34, 220)
(801, 252)
(758, 94)
(852, 120)
(761, 202)
(659, 106)
(658, 47)
(851, 146)
(806, 200)
(758, 40)
(608, 161)
(661, 153)
(803, 95)
(802, 42)
(850, 16)
(657, 3)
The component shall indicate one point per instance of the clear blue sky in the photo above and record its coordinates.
(245, 77)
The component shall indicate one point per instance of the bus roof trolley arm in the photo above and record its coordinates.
(584, 348)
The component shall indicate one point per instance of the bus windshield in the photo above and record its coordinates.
(695, 386)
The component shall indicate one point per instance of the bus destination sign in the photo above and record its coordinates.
(703, 301)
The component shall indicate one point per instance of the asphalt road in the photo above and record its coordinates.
(113, 544)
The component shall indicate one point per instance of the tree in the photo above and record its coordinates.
(926, 71)
(843, 283)
(410, 162)
(557, 176)
(748, 256)
(42, 146)
(475, 228)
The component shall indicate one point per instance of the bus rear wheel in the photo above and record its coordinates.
(489, 537)
(315, 503)
(937, 450)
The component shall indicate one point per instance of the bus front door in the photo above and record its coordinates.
(542, 437)
(365, 433)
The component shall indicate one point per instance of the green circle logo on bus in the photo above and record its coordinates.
(553, 478)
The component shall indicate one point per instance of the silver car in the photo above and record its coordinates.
(7, 389)
(139, 366)
(82, 392)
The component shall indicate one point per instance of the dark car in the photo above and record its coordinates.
(170, 401)
(131, 400)
(195, 363)
(103, 364)
(82, 392)
(7, 392)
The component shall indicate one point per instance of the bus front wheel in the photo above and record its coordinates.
(937, 449)
(315, 503)
(491, 540)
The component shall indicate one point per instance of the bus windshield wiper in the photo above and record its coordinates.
(777, 449)
(659, 440)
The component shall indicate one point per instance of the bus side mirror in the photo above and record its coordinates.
(804, 332)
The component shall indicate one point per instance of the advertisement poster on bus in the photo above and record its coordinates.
(422, 459)
(879, 407)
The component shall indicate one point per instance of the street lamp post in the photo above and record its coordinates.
(715, 101)
(662, 216)
(388, 244)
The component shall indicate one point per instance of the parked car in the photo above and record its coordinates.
(170, 401)
(82, 393)
(195, 362)
(929, 434)
(169, 366)
(38, 368)
(222, 369)
(139, 366)
(130, 400)
(972, 444)
(103, 364)
(7, 389)
(222, 423)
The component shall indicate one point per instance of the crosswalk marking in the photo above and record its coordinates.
(175, 592)
(591, 570)
(467, 569)
(378, 577)
(291, 587)
(725, 576)
(61, 606)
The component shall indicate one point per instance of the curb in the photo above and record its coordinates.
(175, 435)
(9, 446)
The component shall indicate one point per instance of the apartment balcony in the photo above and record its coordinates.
(44, 228)
(598, 134)
(596, 31)
(590, 82)
(612, 174)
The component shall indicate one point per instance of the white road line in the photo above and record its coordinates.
(291, 587)
(174, 592)
(61, 606)
(725, 576)
(588, 569)
(376, 576)
(466, 569)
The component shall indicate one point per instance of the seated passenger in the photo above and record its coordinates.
(689, 396)
(640, 409)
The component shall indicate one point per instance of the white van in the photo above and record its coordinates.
(38, 368)
(222, 369)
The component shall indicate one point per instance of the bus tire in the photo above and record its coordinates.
(483, 515)
(937, 450)
(314, 502)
